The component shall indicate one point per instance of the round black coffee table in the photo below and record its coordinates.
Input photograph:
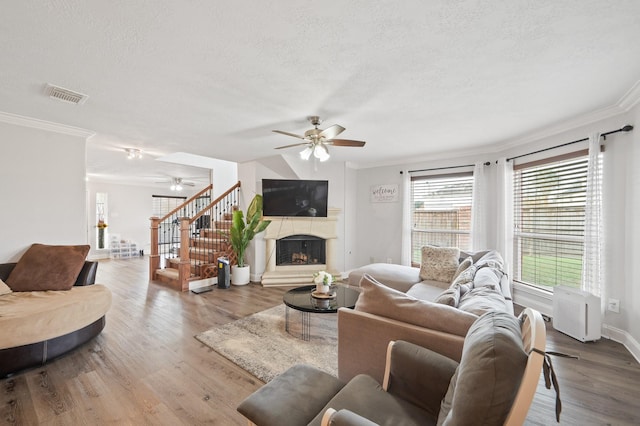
(300, 299)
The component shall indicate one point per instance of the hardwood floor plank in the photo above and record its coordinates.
(146, 367)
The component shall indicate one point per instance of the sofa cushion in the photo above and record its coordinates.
(439, 263)
(4, 289)
(426, 290)
(492, 364)
(475, 255)
(483, 299)
(399, 277)
(378, 299)
(34, 316)
(45, 267)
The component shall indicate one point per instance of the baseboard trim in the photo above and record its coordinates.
(623, 337)
(543, 302)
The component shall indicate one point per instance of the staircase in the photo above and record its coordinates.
(189, 240)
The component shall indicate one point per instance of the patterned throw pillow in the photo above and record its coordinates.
(466, 263)
(439, 263)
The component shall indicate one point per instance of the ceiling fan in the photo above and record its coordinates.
(316, 141)
(178, 183)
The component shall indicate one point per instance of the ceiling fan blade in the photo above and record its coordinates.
(331, 132)
(295, 144)
(288, 134)
(345, 142)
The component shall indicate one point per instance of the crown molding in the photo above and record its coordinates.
(565, 126)
(631, 98)
(49, 126)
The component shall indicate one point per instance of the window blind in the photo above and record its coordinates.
(549, 222)
(440, 212)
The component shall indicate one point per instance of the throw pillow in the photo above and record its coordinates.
(45, 267)
(439, 263)
(489, 375)
(4, 289)
(450, 297)
(378, 299)
(464, 265)
(462, 283)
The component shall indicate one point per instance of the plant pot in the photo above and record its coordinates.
(321, 288)
(240, 276)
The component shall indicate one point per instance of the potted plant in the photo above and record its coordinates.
(241, 234)
(322, 280)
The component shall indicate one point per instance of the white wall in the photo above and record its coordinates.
(224, 176)
(42, 188)
(129, 208)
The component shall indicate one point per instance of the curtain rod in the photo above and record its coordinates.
(626, 128)
(488, 163)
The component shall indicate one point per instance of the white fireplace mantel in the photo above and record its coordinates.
(282, 227)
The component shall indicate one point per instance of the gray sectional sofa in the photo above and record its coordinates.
(397, 304)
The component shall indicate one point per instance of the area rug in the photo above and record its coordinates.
(260, 344)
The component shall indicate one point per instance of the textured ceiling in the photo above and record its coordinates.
(213, 78)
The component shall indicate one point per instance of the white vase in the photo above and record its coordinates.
(321, 288)
(240, 275)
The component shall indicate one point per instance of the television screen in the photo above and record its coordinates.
(284, 197)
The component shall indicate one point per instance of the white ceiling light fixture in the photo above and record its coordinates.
(133, 153)
(321, 152)
(176, 185)
(305, 154)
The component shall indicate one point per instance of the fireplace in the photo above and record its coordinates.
(300, 250)
(297, 247)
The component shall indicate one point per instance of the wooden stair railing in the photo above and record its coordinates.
(203, 237)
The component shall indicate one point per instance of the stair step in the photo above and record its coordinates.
(223, 224)
(214, 233)
(208, 241)
(168, 273)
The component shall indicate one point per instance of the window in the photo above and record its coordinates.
(549, 219)
(102, 213)
(440, 212)
(162, 204)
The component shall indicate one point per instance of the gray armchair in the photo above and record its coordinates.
(494, 383)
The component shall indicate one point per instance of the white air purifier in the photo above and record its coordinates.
(576, 313)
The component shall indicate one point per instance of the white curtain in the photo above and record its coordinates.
(592, 270)
(504, 214)
(405, 254)
(479, 209)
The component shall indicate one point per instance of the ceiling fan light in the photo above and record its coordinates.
(306, 153)
(172, 187)
(133, 153)
(321, 152)
(178, 187)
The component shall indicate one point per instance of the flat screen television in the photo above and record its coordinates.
(285, 197)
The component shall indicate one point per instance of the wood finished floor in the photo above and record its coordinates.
(147, 368)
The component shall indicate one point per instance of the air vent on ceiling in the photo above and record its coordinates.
(65, 95)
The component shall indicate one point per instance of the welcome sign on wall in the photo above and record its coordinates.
(384, 193)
